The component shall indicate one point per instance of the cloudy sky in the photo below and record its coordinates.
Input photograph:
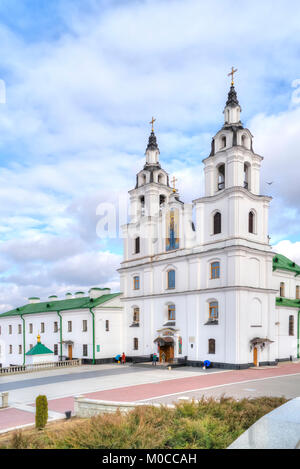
(84, 77)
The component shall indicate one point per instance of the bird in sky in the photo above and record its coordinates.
(270, 183)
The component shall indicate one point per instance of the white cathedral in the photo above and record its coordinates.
(199, 281)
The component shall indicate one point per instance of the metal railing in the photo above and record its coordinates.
(15, 369)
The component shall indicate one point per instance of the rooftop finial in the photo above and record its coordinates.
(152, 122)
(233, 71)
(173, 181)
(38, 338)
(152, 143)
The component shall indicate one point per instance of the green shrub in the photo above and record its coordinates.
(205, 424)
(41, 412)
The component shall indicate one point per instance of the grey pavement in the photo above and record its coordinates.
(24, 388)
(279, 386)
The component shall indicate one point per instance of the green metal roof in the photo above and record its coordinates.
(281, 301)
(281, 262)
(60, 305)
(39, 349)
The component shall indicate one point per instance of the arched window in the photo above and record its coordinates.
(247, 176)
(282, 289)
(213, 311)
(171, 312)
(171, 278)
(291, 325)
(211, 346)
(135, 343)
(162, 199)
(136, 315)
(137, 245)
(136, 282)
(223, 142)
(251, 222)
(215, 270)
(217, 223)
(221, 177)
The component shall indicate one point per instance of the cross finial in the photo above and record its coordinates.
(173, 181)
(152, 122)
(233, 71)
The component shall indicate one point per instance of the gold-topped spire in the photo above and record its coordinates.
(173, 181)
(233, 71)
(38, 338)
(152, 122)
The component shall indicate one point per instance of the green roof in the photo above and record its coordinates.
(39, 349)
(281, 301)
(60, 305)
(281, 262)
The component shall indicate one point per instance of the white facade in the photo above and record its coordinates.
(77, 331)
(246, 326)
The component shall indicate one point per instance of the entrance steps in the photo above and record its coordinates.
(158, 366)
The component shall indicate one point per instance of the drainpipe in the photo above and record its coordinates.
(60, 331)
(93, 316)
(24, 343)
(298, 336)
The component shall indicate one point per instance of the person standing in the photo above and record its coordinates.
(154, 359)
(123, 359)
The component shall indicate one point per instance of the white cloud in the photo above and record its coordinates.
(289, 249)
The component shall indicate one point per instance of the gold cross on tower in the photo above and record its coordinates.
(233, 71)
(152, 122)
(173, 181)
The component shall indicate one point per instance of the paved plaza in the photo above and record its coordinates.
(131, 384)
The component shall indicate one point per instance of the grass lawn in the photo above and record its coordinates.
(206, 424)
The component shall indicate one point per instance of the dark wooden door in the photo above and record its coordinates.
(70, 352)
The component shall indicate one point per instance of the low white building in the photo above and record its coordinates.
(86, 327)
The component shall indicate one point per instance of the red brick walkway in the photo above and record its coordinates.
(173, 386)
(12, 417)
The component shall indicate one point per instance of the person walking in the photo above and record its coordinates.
(123, 359)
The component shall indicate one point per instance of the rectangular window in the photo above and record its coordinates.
(10, 329)
(136, 283)
(213, 310)
(298, 292)
(135, 343)
(137, 245)
(10, 349)
(55, 327)
(85, 350)
(215, 270)
(20, 328)
(30, 328)
(171, 279)
(42, 327)
(69, 326)
(20, 349)
(171, 312)
(30, 346)
(84, 325)
(136, 315)
(55, 349)
(107, 325)
(282, 289)
(291, 325)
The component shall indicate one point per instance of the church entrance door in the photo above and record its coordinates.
(255, 361)
(166, 353)
(70, 352)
